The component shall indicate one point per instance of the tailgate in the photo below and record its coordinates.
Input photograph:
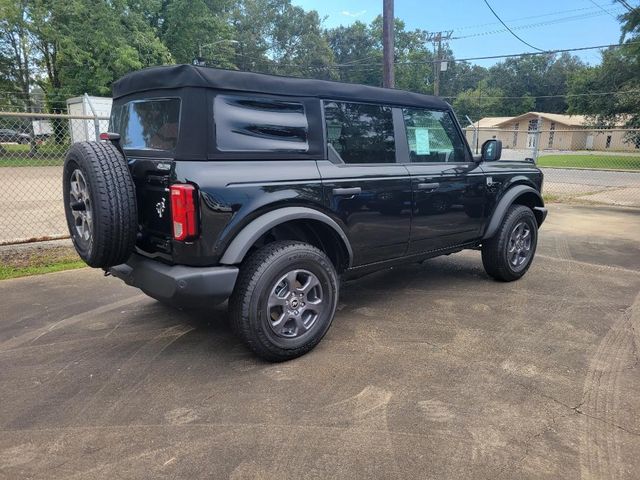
(152, 180)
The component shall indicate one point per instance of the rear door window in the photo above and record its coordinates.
(359, 132)
(148, 124)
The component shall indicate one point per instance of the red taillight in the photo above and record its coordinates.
(183, 211)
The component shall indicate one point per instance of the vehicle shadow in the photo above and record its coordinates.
(211, 325)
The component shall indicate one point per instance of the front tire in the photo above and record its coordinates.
(285, 300)
(508, 254)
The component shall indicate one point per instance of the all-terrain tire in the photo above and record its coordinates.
(496, 250)
(112, 220)
(259, 275)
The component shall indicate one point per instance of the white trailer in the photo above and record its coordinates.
(42, 128)
(88, 129)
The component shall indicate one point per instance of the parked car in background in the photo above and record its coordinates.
(13, 136)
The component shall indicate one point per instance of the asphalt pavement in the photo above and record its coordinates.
(429, 371)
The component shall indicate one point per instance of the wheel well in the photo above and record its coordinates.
(531, 200)
(314, 232)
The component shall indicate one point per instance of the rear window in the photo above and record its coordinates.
(255, 124)
(147, 124)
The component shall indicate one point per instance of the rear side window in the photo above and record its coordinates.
(433, 137)
(253, 124)
(360, 133)
(147, 124)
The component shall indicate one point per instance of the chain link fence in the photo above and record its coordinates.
(599, 166)
(32, 151)
(588, 166)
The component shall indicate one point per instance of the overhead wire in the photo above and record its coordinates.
(507, 27)
(519, 19)
(603, 9)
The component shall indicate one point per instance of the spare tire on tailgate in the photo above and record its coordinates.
(100, 203)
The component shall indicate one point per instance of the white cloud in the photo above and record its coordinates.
(353, 14)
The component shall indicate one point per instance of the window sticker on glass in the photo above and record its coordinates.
(422, 141)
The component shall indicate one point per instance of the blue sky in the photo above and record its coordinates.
(546, 24)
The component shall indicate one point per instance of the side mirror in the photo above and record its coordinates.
(491, 150)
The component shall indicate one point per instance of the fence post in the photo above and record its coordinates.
(536, 143)
(96, 122)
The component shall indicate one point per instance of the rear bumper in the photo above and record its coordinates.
(177, 284)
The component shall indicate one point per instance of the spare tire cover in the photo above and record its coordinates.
(100, 203)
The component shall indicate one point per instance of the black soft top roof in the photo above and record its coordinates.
(179, 76)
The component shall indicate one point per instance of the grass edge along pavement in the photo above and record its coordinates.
(36, 259)
(596, 162)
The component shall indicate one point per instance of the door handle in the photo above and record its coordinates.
(428, 186)
(347, 191)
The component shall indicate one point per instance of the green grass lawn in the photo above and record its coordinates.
(620, 162)
(30, 162)
(17, 155)
(36, 260)
(8, 271)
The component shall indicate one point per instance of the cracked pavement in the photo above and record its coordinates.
(429, 371)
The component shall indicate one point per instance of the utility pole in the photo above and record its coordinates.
(388, 77)
(437, 38)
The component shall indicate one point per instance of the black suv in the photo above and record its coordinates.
(263, 190)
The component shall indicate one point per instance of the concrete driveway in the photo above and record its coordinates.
(31, 203)
(601, 186)
(429, 371)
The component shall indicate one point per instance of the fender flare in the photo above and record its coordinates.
(240, 245)
(505, 202)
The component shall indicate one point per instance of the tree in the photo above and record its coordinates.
(357, 49)
(615, 81)
(191, 28)
(543, 77)
(16, 49)
(83, 46)
(354, 50)
(460, 77)
(277, 37)
(480, 102)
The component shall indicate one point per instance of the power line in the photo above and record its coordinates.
(368, 66)
(560, 12)
(507, 27)
(563, 95)
(534, 25)
(627, 6)
(602, 8)
(488, 57)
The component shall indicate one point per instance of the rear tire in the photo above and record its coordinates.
(285, 300)
(508, 254)
(100, 203)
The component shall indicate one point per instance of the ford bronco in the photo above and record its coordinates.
(266, 190)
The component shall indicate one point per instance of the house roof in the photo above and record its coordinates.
(573, 121)
(488, 122)
(179, 76)
(569, 120)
